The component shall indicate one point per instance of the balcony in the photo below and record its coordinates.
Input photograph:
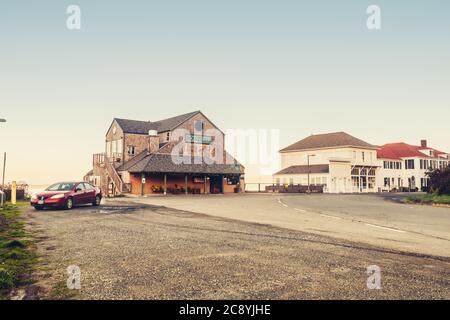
(99, 159)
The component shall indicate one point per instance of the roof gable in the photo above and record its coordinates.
(328, 140)
(142, 127)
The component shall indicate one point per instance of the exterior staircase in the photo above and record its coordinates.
(120, 186)
(105, 165)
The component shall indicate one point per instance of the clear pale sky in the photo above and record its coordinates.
(301, 66)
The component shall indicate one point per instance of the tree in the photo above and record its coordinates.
(439, 181)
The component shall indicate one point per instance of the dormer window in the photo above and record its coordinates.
(114, 130)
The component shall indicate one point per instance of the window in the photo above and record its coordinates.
(80, 186)
(168, 136)
(409, 164)
(131, 150)
(363, 157)
(198, 126)
(385, 164)
(291, 181)
(386, 182)
(277, 181)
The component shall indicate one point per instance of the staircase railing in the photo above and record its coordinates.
(114, 176)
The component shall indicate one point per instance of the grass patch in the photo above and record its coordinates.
(429, 199)
(61, 292)
(16, 257)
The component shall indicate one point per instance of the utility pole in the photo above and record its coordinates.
(3, 179)
(4, 166)
(309, 171)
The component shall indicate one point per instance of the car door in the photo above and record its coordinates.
(90, 193)
(79, 196)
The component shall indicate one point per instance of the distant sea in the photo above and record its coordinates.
(36, 188)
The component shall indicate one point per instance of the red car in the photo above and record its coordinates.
(67, 195)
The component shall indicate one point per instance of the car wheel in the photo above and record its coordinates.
(69, 203)
(97, 201)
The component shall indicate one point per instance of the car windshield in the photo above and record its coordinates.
(63, 186)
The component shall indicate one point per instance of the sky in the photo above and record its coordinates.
(303, 67)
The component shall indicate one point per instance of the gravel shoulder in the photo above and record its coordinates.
(132, 251)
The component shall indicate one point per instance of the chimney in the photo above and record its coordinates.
(423, 143)
(153, 141)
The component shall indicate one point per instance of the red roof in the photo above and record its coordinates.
(397, 151)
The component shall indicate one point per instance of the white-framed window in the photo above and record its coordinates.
(108, 148)
(131, 150)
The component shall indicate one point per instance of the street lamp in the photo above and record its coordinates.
(309, 156)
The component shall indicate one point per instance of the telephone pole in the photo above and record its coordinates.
(3, 177)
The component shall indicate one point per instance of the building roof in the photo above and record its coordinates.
(142, 127)
(397, 151)
(303, 169)
(328, 140)
(163, 163)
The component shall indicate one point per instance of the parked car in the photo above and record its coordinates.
(67, 195)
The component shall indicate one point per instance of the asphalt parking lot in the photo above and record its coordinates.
(141, 251)
(375, 219)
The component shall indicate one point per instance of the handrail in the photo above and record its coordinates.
(115, 176)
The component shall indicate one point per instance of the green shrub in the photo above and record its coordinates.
(439, 181)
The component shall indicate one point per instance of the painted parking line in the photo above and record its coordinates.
(300, 210)
(385, 228)
(332, 217)
(282, 203)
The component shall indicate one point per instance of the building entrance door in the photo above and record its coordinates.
(216, 185)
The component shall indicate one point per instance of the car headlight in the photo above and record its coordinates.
(57, 196)
(34, 197)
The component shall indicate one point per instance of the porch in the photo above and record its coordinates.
(184, 183)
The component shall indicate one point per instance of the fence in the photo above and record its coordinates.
(279, 188)
(20, 195)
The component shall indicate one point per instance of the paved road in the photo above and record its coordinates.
(370, 219)
(132, 251)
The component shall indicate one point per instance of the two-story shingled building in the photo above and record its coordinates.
(142, 157)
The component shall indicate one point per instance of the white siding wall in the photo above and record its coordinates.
(354, 155)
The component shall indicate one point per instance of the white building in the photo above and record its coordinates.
(404, 166)
(338, 161)
(342, 163)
